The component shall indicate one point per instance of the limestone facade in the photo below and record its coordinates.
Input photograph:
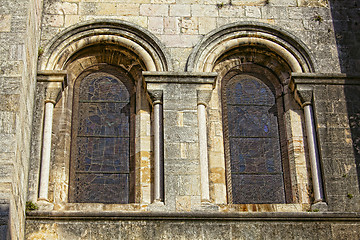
(179, 55)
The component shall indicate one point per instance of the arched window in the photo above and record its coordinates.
(101, 165)
(252, 139)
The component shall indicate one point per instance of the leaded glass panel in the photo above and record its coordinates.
(101, 140)
(253, 141)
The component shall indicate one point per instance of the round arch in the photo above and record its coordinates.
(229, 37)
(115, 32)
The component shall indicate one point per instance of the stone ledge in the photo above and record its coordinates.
(52, 76)
(294, 217)
(180, 77)
(325, 78)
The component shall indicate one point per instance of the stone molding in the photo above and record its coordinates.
(156, 96)
(264, 216)
(203, 97)
(55, 81)
(180, 77)
(228, 37)
(118, 32)
(325, 78)
(302, 84)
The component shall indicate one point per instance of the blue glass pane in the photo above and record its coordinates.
(253, 136)
(103, 154)
(252, 121)
(257, 188)
(248, 91)
(103, 88)
(255, 155)
(102, 188)
(102, 147)
(104, 119)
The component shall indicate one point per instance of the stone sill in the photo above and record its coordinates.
(194, 216)
(45, 206)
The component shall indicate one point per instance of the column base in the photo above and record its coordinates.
(208, 206)
(44, 205)
(157, 206)
(319, 207)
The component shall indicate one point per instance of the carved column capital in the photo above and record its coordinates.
(53, 92)
(305, 94)
(55, 81)
(156, 96)
(302, 89)
(203, 97)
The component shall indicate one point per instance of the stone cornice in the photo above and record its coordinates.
(200, 216)
(180, 77)
(302, 84)
(325, 78)
(52, 76)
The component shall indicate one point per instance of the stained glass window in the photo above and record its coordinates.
(253, 145)
(101, 143)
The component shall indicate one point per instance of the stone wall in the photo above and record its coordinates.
(197, 226)
(346, 28)
(181, 24)
(175, 31)
(19, 37)
(335, 100)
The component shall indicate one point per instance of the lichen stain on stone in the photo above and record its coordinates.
(145, 167)
(348, 137)
(298, 146)
(347, 168)
(183, 203)
(46, 232)
(251, 208)
(217, 175)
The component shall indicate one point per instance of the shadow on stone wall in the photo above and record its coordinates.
(346, 20)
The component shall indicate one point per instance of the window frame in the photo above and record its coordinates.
(126, 79)
(268, 77)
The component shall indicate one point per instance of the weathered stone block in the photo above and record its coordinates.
(62, 8)
(180, 134)
(189, 185)
(17, 52)
(203, 10)
(156, 25)
(128, 9)
(154, 10)
(106, 9)
(7, 122)
(274, 12)
(232, 11)
(10, 103)
(312, 3)
(189, 25)
(87, 8)
(163, 1)
(249, 2)
(184, 41)
(181, 166)
(252, 12)
(5, 23)
(183, 203)
(172, 25)
(180, 10)
(206, 24)
(54, 20)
